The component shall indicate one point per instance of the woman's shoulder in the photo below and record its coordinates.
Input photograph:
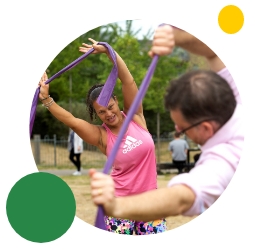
(140, 121)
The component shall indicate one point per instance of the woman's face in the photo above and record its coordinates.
(111, 114)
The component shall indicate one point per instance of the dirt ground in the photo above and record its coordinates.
(86, 210)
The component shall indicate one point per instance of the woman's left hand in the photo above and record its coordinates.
(98, 48)
(44, 88)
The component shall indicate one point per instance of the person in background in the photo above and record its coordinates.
(75, 148)
(178, 148)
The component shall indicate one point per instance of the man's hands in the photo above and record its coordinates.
(102, 191)
(163, 41)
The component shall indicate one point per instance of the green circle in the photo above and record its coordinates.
(40, 207)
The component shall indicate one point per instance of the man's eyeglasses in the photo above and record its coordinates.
(182, 132)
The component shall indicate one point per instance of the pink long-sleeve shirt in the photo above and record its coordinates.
(218, 161)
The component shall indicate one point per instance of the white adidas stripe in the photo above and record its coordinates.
(129, 141)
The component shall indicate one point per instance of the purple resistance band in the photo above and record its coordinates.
(103, 100)
(106, 92)
(99, 223)
(139, 97)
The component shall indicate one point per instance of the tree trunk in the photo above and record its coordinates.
(158, 143)
(70, 89)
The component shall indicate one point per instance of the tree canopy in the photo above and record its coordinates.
(70, 88)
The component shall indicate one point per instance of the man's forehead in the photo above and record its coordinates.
(178, 118)
(176, 114)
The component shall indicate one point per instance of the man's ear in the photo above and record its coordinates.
(208, 130)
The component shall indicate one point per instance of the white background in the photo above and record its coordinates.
(143, 24)
(34, 32)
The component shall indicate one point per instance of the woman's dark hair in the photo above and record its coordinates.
(92, 96)
(201, 94)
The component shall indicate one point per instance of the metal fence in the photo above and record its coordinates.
(51, 152)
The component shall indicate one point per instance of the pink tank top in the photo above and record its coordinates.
(134, 168)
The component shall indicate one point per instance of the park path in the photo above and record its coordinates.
(66, 172)
(69, 172)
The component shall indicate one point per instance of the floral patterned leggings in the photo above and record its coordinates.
(128, 227)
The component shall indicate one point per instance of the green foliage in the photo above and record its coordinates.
(74, 83)
(70, 88)
(166, 124)
(46, 124)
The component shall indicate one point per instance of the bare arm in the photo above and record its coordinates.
(129, 87)
(196, 46)
(166, 201)
(166, 37)
(169, 201)
(88, 132)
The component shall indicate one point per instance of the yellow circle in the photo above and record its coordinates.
(231, 19)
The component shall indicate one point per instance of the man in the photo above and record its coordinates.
(178, 148)
(206, 106)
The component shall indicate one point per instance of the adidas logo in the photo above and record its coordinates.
(130, 144)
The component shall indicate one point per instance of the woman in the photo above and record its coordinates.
(75, 148)
(134, 168)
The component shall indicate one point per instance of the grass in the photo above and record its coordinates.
(86, 210)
